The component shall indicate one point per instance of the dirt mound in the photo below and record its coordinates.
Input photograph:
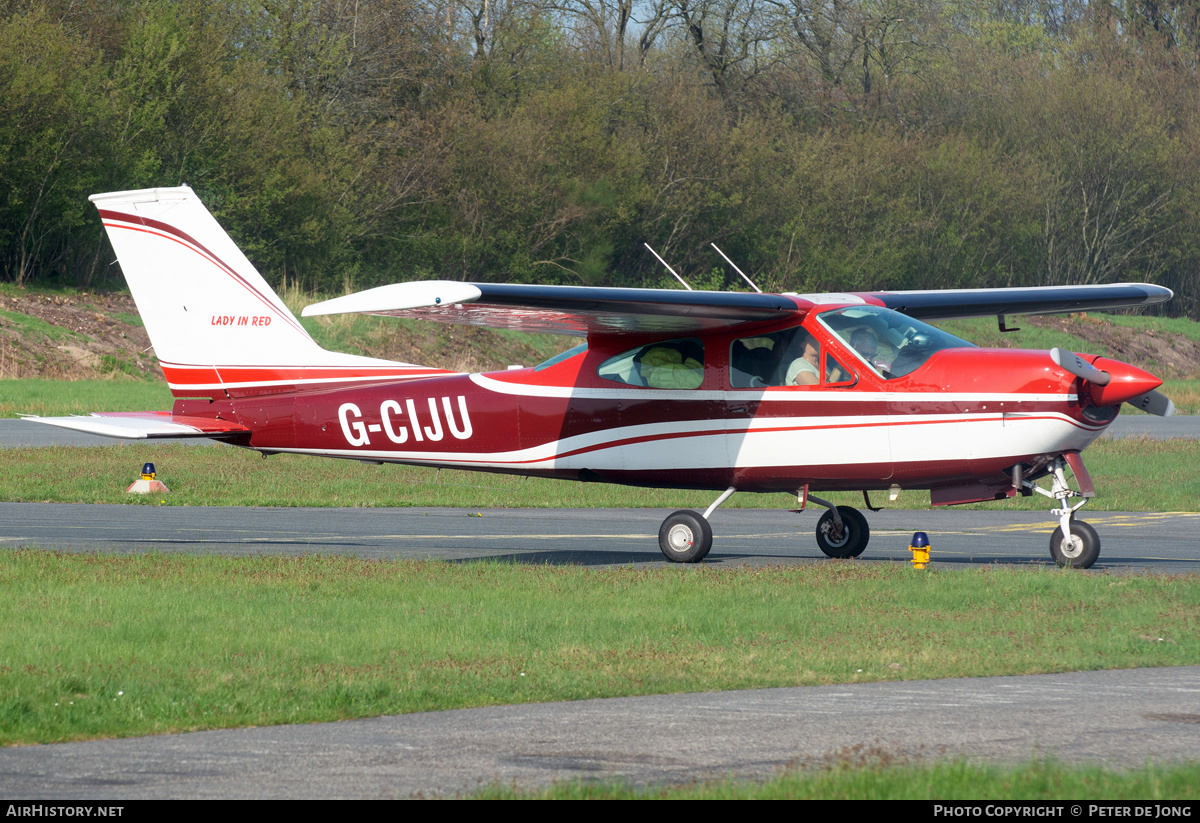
(1169, 356)
(73, 337)
(88, 336)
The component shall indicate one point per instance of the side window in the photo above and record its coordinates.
(787, 358)
(835, 372)
(669, 364)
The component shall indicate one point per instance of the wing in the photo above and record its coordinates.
(939, 304)
(574, 310)
(143, 425)
(583, 310)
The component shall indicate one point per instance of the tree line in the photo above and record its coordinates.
(824, 145)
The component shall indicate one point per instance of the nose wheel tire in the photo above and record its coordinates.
(1081, 551)
(850, 541)
(685, 537)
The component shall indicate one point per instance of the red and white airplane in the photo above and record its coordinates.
(725, 391)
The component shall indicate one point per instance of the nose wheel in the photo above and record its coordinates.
(1079, 549)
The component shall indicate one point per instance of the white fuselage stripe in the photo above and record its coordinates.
(708, 444)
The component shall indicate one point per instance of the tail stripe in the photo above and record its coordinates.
(192, 377)
(169, 232)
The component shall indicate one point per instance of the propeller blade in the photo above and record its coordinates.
(1153, 402)
(1076, 365)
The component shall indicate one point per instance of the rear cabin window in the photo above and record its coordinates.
(668, 364)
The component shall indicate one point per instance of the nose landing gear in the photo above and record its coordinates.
(1074, 543)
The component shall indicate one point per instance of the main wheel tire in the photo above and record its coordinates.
(685, 537)
(853, 539)
(1081, 551)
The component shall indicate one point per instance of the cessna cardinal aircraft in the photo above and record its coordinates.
(797, 393)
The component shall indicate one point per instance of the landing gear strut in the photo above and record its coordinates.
(842, 531)
(1074, 543)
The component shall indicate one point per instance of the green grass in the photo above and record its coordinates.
(1130, 475)
(27, 324)
(983, 331)
(104, 645)
(880, 778)
(1165, 325)
(60, 397)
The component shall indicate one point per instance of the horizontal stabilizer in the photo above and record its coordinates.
(144, 425)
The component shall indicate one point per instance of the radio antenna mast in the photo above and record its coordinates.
(735, 268)
(671, 270)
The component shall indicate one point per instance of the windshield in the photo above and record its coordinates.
(892, 344)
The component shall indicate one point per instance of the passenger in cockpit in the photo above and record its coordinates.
(805, 370)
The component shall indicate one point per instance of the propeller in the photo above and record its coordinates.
(1076, 365)
(1129, 386)
(1153, 402)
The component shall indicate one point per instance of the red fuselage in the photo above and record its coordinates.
(961, 420)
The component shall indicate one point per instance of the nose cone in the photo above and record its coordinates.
(1126, 382)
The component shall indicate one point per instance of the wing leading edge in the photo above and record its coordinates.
(585, 310)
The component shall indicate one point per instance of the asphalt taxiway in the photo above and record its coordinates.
(1118, 718)
(1131, 541)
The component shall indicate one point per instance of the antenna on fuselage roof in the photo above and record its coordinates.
(671, 270)
(735, 268)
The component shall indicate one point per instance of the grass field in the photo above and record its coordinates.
(57, 397)
(867, 779)
(100, 646)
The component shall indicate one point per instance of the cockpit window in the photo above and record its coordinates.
(791, 357)
(561, 356)
(892, 344)
(669, 364)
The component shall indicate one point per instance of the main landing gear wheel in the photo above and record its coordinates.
(850, 540)
(1080, 551)
(685, 537)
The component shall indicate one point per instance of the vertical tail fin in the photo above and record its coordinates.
(217, 327)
